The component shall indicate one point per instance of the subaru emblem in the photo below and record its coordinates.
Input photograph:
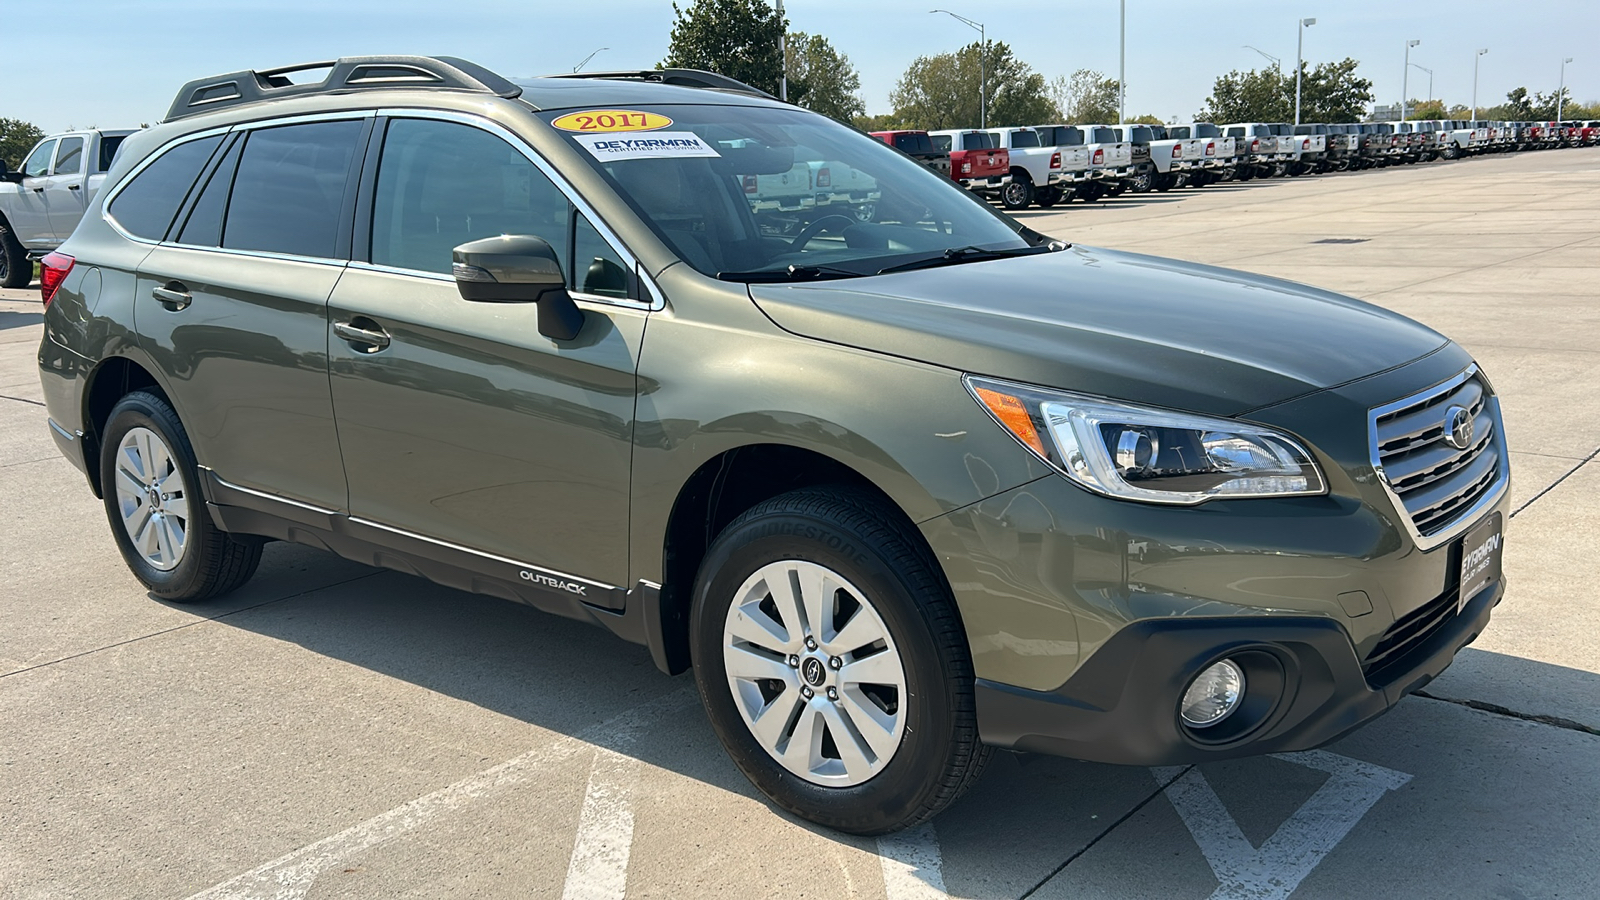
(1458, 427)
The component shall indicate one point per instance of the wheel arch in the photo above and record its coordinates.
(112, 379)
(716, 493)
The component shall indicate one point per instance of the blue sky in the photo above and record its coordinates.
(115, 63)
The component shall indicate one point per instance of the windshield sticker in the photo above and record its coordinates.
(611, 120)
(659, 145)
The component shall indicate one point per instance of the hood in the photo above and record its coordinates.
(1113, 324)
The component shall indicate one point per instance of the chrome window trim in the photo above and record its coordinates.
(634, 305)
(1473, 514)
(563, 576)
(261, 254)
(105, 205)
(556, 178)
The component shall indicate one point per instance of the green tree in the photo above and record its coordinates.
(822, 79)
(1146, 120)
(1426, 109)
(942, 91)
(1085, 97)
(1331, 92)
(16, 139)
(736, 38)
(880, 122)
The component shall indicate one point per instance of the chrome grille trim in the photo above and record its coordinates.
(1439, 491)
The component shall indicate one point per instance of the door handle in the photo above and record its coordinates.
(173, 297)
(38, 190)
(73, 187)
(371, 339)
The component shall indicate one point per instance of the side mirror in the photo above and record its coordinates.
(7, 175)
(518, 268)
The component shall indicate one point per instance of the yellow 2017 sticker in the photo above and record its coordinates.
(611, 120)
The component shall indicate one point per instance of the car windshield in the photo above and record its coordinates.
(761, 193)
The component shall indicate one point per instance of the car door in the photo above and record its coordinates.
(63, 190)
(233, 305)
(30, 217)
(459, 423)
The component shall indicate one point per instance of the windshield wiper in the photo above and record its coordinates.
(956, 255)
(792, 273)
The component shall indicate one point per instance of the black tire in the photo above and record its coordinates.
(211, 562)
(15, 269)
(1017, 195)
(1048, 197)
(1142, 182)
(939, 755)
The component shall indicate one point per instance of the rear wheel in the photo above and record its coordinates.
(157, 515)
(1142, 182)
(15, 269)
(1048, 197)
(1018, 194)
(832, 663)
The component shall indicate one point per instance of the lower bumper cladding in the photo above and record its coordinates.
(1305, 687)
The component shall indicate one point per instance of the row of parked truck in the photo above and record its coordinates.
(1044, 165)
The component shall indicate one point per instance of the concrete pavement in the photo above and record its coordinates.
(337, 731)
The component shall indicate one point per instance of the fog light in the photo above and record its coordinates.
(1213, 696)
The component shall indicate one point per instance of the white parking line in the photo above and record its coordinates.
(912, 864)
(1300, 843)
(289, 877)
(599, 866)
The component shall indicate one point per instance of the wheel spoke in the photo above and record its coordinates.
(862, 629)
(875, 725)
(175, 534)
(178, 505)
(852, 749)
(750, 665)
(127, 484)
(785, 593)
(879, 668)
(770, 725)
(163, 541)
(751, 624)
(813, 585)
(804, 749)
(136, 519)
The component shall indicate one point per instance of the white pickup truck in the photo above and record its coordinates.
(41, 203)
(1261, 145)
(1306, 151)
(1074, 147)
(1159, 160)
(1036, 171)
(1110, 162)
(1221, 155)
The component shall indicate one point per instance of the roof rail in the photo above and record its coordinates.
(350, 73)
(695, 78)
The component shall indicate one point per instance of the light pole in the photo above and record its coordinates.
(579, 66)
(1475, 85)
(1276, 62)
(783, 50)
(1430, 78)
(1299, 63)
(1122, 68)
(983, 50)
(1561, 92)
(1405, 79)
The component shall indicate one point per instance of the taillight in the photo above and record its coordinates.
(1099, 157)
(53, 270)
(1305, 144)
(1255, 145)
(966, 167)
(749, 184)
(1055, 160)
(1211, 149)
(1177, 150)
(824, 177)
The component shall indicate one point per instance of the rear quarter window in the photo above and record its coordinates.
(146, 205)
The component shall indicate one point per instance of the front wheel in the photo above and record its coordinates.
(158, 518)
(15, 269)
(833, 665)
(1018, 194)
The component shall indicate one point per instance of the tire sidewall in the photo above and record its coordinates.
(904, 785)
(144, 410)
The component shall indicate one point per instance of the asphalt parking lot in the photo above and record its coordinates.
(333, 730)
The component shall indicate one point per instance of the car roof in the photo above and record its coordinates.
(560, 92)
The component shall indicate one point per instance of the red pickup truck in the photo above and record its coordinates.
(977, 161)
(919, 146)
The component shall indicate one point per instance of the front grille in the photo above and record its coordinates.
(1406, 633)
(1435, 482)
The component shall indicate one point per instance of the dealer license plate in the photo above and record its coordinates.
(1481, 550)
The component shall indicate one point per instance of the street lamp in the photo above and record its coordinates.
(1430, 78)
(1405, 79)
(983, 50)
(579, 66)
(1562, 90)
(1276, 62)
(1299, 63)
(1122, 68)
(1475, 85)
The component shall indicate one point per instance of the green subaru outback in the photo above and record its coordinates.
(900, 479)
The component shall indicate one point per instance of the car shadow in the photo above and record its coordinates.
(10, 319)
(1016, 828)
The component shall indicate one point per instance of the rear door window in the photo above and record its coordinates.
(1024, 139)
(290, 187)
(109, 145)
(69, 158)
(913, 143)
(146, 205)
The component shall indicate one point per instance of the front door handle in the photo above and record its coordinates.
(365, 340)
(173, 296)
(73, 187)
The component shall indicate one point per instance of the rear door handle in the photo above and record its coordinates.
(365, 340)
(173, 296)
(73, 187)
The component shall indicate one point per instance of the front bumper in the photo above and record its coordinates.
(1121, 706)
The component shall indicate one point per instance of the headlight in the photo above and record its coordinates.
(1150, 455)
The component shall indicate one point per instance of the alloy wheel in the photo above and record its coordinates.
(815, 674)
(152, 499)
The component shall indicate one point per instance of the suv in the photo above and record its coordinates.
(898, 491)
